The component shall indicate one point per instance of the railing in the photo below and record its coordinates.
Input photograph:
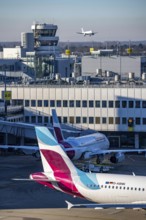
(36, 112)
(116, 85)
(11, 110)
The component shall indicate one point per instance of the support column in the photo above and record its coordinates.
(137, 141)
(6, 138)
(22, 136)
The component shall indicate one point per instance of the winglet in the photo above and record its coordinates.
(69, 205)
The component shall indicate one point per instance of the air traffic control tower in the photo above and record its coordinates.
(45, 41)
(45, 49)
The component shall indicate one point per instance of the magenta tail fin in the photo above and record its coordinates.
(57, 127)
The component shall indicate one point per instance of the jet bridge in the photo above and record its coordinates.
(20, 130)
(25, 131)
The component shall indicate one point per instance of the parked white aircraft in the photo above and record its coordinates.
(86, 33)
(83, 147)
(80, 147)
(109, 190)
(88, 146)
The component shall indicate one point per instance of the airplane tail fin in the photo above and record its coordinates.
(56, 163)
(54, 158)
(82, 30)
(56, 126)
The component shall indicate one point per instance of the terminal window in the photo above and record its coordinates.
(71, 120)
(64, 119)
(91, 120)
(130, 104)
(65, 103)
(137, 104)
(91, 104)
(78, 103)
(39, 103)
(97, 104)
(97, 120)
(144, 121)
(58, 103)
(52, 103)
(144, 104)
(17, 101)
(84, 120)
(117, 104)
(26, 103)
(33, 103)
(78, 120)
(46, 119)
(104, 104)
(110, 104)
(84, 103)
(45, 103)
(124, 104)
(33, 119)
(103, 120)
(138, 121)
(39, 119)
(111, 120)
(71, 103)
(124, 121)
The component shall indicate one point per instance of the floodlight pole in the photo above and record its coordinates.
(5, 101)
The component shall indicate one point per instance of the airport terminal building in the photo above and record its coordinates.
(117, 110)
(109, 95)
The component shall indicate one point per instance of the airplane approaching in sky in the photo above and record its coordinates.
(110, 190)
(86, 33)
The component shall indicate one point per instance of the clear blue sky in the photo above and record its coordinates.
(112, 19)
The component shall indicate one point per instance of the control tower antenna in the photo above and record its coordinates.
(68, 45)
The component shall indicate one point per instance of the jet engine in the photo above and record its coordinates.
(118, 157)
(36, 154)
(87, 155)
(99, 159)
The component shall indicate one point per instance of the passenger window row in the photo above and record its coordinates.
(122, 187)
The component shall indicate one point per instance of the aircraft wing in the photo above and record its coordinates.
(106, 151)
(106, 206)
(118, 151)
(41, 179)
(79, 32)
(19, 147)
(33, 148)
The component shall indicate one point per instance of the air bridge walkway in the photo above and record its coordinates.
(26, 131)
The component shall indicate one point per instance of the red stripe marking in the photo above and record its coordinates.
(61, 172)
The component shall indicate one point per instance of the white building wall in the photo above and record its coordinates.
(86, 94)
(27, 41)
(121, 64)
(14, 53)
